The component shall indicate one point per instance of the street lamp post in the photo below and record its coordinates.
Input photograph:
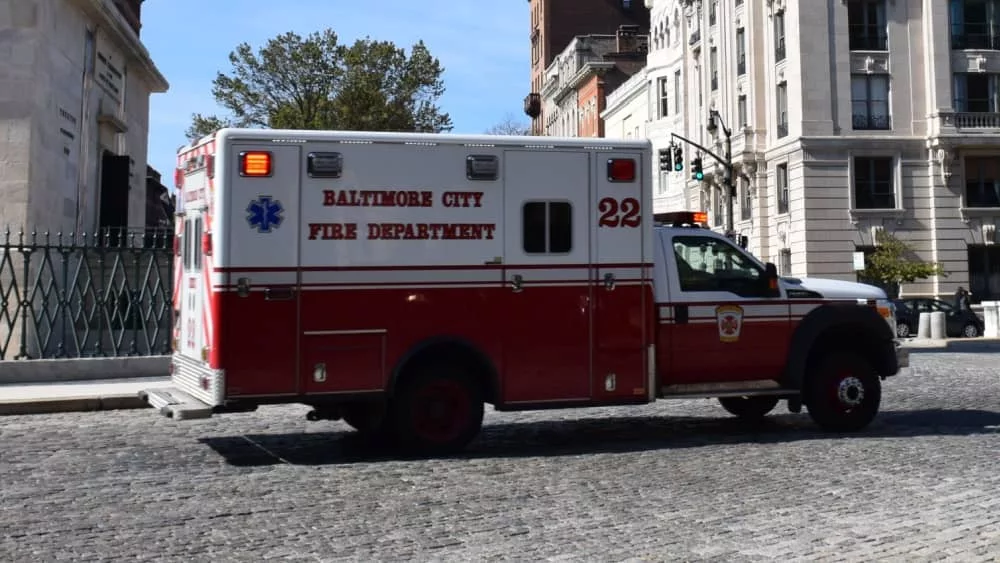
(728, 179)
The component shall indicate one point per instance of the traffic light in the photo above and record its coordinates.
(697, 172)
(666, 160)
(678, 158)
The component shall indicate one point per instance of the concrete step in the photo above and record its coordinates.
(76, 396)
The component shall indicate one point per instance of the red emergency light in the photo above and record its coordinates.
(178, 177)
(621, 170)
(682, 218)
(206, 243)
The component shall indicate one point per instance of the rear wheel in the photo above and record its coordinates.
(970, 331)
(902, 330)
(749, 407)
(843, 393)
(437, 410)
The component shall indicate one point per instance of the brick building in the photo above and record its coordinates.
(555, 23)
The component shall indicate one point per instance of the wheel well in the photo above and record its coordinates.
(857, 337)
(454, 353)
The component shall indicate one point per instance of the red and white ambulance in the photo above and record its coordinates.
(401, 281)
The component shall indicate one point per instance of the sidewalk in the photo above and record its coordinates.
(105, 394)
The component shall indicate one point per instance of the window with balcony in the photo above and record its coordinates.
(982, 181)
(975, 24)
(713, 65)
(779, 36)
(781, 187)
(663, 105)
(741, 51)
(976, 92)
(867, 26)
(746, 203)
(781, 98)
(874, 182)
(870, 101)
(741, 111)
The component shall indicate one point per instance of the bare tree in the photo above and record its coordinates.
(509, 126)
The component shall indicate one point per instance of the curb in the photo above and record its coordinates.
(72, 404)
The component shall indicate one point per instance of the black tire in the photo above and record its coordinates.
(843, 393)
(903, 330)
(970, 330)
(750, 408)
(458, 400)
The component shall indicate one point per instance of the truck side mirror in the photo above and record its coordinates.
(771, 277)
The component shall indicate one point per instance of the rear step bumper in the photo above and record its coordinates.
(176, 404)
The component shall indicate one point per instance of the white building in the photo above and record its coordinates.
(74, 111)
(847, 116)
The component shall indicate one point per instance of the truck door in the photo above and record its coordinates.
(546, 332)
(261, 312)
(620, 298)
(725, 327)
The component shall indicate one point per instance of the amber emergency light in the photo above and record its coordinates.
(255, 164)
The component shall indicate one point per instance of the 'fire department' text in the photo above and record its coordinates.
(404, 231)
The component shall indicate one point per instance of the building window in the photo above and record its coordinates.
(975, 24)
(982, 181)
(713, 67)
(866, 22)
(870, 101)
(677, 91)
(741, 111)
(781, 93)
(785, 262)
(741, 51)
(717, 217)
(713, 9)
(779, 36)
(984, 272)
(663, 107)
(976, 92)
(781, 187)
(746, 204)
(547, 227)
(874, 183)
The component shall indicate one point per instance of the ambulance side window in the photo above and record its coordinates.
(186, 244)
(196, 245)
(711, 264)
(547, 227)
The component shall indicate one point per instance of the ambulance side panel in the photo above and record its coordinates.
(257, 274)
(400, 249)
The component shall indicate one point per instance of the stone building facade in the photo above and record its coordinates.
(847, 117)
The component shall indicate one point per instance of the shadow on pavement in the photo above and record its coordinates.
(598, 435)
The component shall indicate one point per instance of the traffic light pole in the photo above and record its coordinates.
(727, 163)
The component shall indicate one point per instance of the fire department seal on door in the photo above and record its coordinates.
(730, 321)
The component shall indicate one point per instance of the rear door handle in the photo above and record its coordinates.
(279, 293)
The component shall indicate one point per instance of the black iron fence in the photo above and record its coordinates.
(105, 294)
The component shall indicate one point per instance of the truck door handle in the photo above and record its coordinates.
(279, 293)
(517, 283)
(680, 314)
(609, 281)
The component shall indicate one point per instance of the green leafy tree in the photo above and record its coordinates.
(314, 82)
(509, 126)
(890, 265)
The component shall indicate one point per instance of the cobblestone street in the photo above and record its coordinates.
(673, 480)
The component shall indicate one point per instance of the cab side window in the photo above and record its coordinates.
(711, 264)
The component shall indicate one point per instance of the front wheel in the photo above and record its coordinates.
(902, 330)
(844, 393)
(970, 331)
(751, 408)
(437, 410)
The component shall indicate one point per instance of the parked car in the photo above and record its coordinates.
(958, 322)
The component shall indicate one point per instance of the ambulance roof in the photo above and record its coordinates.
(297, 135)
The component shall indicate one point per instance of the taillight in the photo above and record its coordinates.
(621, 170)
(206, 243)
(178, 178)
